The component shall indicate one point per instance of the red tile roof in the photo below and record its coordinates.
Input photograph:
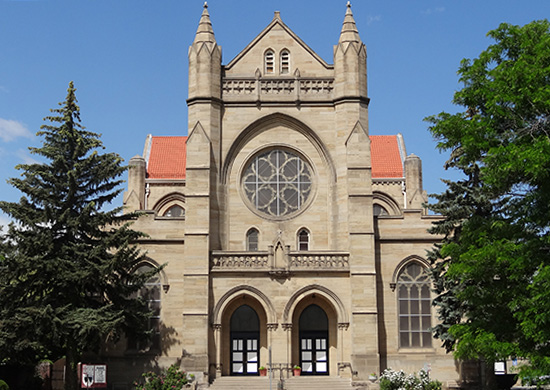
(167, 158)
(386, 157)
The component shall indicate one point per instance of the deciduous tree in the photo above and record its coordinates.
(492, 270)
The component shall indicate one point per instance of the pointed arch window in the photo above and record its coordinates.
(379, 210)
(414, 305)
(269, 61)
(175, 211)
(303, 240)
(252, 240)
(285, 61)
(150, 293)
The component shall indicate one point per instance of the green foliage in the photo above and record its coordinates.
(170, 379)
(4, 385)
(67, 267)
(492, 270)
(399, 380)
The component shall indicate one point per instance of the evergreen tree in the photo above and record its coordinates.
(492, 270)
(67, 284)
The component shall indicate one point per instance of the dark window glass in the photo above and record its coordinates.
(413, 286)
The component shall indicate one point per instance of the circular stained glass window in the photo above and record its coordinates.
(277, 183)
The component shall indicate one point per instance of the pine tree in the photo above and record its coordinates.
(67, 283)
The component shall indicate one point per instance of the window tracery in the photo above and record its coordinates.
(277, 182)
(151, 293)
(414, 307)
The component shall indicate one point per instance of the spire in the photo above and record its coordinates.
(349, 29)
(205, 33)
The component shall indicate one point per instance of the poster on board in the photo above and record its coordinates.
(93, 376)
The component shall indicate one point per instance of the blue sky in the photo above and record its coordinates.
(128, 59)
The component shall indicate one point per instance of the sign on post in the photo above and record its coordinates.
(93, 376)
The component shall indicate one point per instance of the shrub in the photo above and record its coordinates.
(4, 385)
(170, 379)
(399, 380)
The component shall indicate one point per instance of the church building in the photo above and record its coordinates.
(291, 235)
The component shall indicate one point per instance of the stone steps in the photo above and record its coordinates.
(317, 382)
(242, 382)
(292, 383)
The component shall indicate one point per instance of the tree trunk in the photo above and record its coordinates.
(71, 377)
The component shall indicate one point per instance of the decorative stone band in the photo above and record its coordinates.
(293, 261)
(261, 88)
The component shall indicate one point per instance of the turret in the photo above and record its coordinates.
(134, 198)
(416, 196)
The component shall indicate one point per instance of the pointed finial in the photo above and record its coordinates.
(349, 4)
(349, 31)
(204, 31)
(277, 15)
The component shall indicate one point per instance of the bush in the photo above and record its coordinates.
(4, 385)
(399, 380)
(170, 379)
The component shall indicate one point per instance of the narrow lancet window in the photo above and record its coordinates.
(285, 62)
(269, 59)
(303, 240)
(252, 240)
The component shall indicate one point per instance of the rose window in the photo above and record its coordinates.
(277, 183)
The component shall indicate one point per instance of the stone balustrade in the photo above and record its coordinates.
(322, 261)
(237, 260)
(264, 261)
(268, 88)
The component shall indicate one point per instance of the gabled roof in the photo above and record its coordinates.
(387, 156)
(277, 22)
(167, 157)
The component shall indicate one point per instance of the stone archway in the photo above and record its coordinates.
(313, 341)
(233, 336)
(325, 342)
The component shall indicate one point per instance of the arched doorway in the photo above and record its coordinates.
(244, 341)
(314, 341)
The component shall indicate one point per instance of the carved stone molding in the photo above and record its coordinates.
(343, 325)
(286, 326)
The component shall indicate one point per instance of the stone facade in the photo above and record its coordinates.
(279, 201)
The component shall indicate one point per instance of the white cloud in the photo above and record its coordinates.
(435, 10)
(371, 19)
(4, 221)
(26, 157)
(10, 130)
